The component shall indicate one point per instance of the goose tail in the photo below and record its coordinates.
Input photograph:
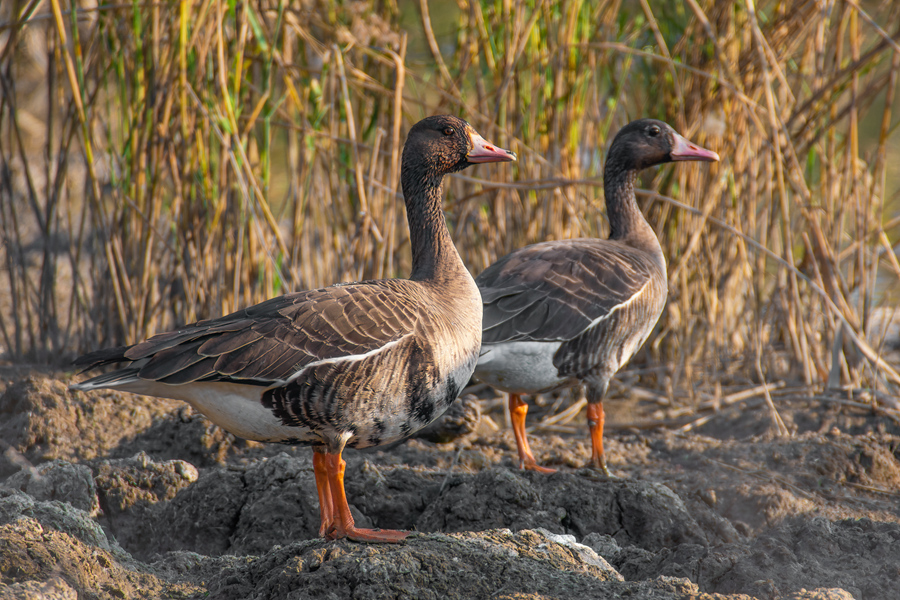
(108, 380)
(100, 358)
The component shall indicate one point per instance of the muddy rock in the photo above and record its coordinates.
(58, 480)
(281, 499)
(54, 515)
(755, 485)
(159, 506)
(54, 588)
(132, 493)
(159, 503)
(495, 563)
(201, 518)
(41, 420)
(391, 497)
(645, 514)
(604, 545)
(820, 594)
(818, 552)
(584, 551)
(39, 549)
(127, 482)
(798, 555)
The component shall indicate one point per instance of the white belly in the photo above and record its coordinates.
(233, 407)
(520, 367)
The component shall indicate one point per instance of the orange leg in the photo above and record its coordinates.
(341, 520)
(326, 510)
(517, 412)
(596, 418)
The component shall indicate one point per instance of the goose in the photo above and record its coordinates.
(572, 312)
(354, 364)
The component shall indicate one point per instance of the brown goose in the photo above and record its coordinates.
(569, 312)
(360, 364)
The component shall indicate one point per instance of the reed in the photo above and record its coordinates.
(165, 162)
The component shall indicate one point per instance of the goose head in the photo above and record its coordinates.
(648, 142)
(445, 144)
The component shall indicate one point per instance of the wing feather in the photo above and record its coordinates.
(171, 360)
(555, 291)
(223, 344)
(271, 341)
(193, 372)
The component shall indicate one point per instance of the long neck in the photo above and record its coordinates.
(625, 218)
(433, 254)
(626, 221)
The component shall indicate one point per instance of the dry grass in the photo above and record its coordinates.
(168, 162)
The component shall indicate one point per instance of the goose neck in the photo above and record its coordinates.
(434, 255)
(625, 218)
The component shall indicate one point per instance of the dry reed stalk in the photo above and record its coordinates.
(197, 160)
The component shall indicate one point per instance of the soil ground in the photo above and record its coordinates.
(111, 495)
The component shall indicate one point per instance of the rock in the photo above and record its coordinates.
(633, 512)
(281, 505)
(41, 420)
(55, 588)
(490, 564)
(125, 482)
(493, 498)
(35, 553)
(59, 480)
(391, 497)
(739, 521)
(55, 515)
(604, 545)
(156, 506)
(584, 552)
(797, 556)
(820, 594)
(201, 518)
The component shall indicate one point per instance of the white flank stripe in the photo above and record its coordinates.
(348, 358)
(616, 307)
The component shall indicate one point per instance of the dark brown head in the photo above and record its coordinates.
(445, 144)
(647, 142)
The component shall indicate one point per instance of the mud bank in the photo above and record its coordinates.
(118, 496)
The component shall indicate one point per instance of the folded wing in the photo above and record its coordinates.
(555, 291)
(271, 342)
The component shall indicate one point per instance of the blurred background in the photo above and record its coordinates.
(163, 162)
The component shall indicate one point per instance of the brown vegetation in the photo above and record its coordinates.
(169, 162)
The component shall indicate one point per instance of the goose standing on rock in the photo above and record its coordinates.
(360, 364)
(569, 312)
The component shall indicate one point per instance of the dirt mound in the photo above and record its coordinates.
(40, 420)
(161, 504)
(58, 547)
(833, 554)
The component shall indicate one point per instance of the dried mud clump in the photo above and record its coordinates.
(87, 514)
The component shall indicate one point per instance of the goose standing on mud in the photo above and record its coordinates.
(569, 312)
(360, 365)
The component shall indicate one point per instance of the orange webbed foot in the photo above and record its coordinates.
(388, 536)
(370, 536)
(531, 465)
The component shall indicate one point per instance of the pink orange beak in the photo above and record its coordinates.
(685, 150)
(485, 152)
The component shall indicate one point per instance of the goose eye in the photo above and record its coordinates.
(449, 131)
(653, 131)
